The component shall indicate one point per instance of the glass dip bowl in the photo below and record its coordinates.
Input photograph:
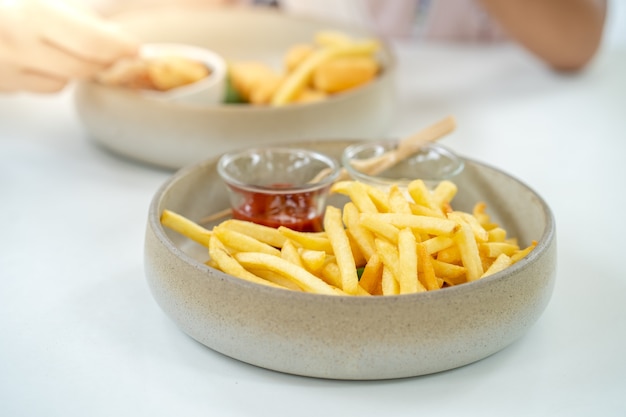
(432, 163)
(279, 186)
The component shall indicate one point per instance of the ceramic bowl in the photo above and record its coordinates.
(343, 337)
(173, 135)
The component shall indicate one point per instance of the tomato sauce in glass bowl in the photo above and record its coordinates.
(279, 186)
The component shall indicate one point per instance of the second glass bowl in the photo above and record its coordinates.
(432, 163)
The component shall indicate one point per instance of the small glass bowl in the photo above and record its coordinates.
(279, 186)
(432, 163)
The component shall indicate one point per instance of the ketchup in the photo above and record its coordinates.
(297, 210)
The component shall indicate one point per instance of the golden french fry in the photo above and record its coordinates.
(290, 253)
(314, 241)
(421, 195)
(344, 73)
(379, 227)
(452, 274)
(362, 237)
(437, 244)
(243, 243)
(522, 253)
(422, 224)
(388, 282)
(372, 275)
(407, 263)
(300, 276)
(229, 265)
(468, 249)
(275, 278)
(388, 253)
(502, 261)
(265, 234)
(443, 193)
(398, 202)
(333, 225)
(301, 75)
(358, 193)
(497, 234)
(185, 227)
(495, 249)
(465, 218)
(313, 260)
(427, 275)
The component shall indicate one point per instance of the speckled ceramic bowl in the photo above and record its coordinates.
(344, 337)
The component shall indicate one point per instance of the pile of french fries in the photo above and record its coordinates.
(333, 62)
(382, 242)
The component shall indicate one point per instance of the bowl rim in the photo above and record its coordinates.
(543, 244)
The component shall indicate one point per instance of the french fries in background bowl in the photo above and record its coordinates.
(261, 48)
(347, 334)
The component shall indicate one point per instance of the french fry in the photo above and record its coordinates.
(443, 193)
(361, 236)
(243, 243)
(313, 260)
(452, 274)
(495, 249)
(379, 227)
(388, 253)
(314, 241)
(371, 278)
(437, 244)
(522, 253)
(186, 227)
(265, 234)
(460, 217)
(301, 75)
(398, 203)
(298, 275)
(290, 253)
(358, 193)
(468, 249)
(229, 265)
(333, 225)
(502, 261)
(421, 195)
(425, 224)
(407, 263)
(427, 276)
(389, 283)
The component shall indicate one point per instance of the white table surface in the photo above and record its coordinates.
(80, 334)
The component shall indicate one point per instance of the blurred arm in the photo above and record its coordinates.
(44, 44)
(564, 33)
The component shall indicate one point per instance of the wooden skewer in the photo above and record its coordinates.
(406, 147)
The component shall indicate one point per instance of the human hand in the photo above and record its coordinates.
(44, 44)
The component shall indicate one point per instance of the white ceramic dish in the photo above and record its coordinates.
(208, 91)
(344, 337)
(174, 135)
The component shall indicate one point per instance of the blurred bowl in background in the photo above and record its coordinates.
(173, 135)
